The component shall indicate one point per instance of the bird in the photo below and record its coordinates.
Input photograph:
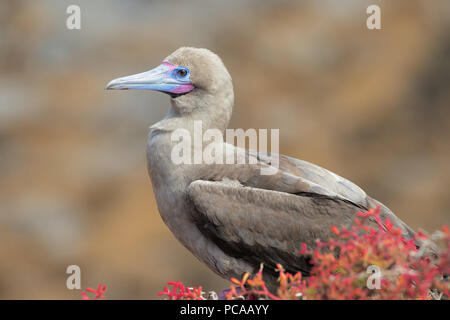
(232, 217)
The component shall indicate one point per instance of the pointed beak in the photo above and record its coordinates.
(158, 79)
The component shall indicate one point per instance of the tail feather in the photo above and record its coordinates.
(426, 246)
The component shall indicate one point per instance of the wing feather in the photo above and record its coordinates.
(264, 225)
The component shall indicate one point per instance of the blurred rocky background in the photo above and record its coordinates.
(372, 106)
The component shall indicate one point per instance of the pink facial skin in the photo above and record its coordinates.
(177, 88)
(183, 88)
(171, 66)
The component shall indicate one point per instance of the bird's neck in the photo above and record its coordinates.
(186, 112)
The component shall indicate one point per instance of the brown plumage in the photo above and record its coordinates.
(231, 217)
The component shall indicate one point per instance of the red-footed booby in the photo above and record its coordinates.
(231, 216)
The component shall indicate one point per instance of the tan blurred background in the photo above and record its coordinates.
(74, 187)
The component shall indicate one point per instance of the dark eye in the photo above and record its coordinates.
(182, 73)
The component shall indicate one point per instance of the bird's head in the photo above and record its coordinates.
(198, 83)
(185, 71)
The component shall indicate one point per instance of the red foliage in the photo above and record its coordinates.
(180, 292)
(98, 293)
(343, 266)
